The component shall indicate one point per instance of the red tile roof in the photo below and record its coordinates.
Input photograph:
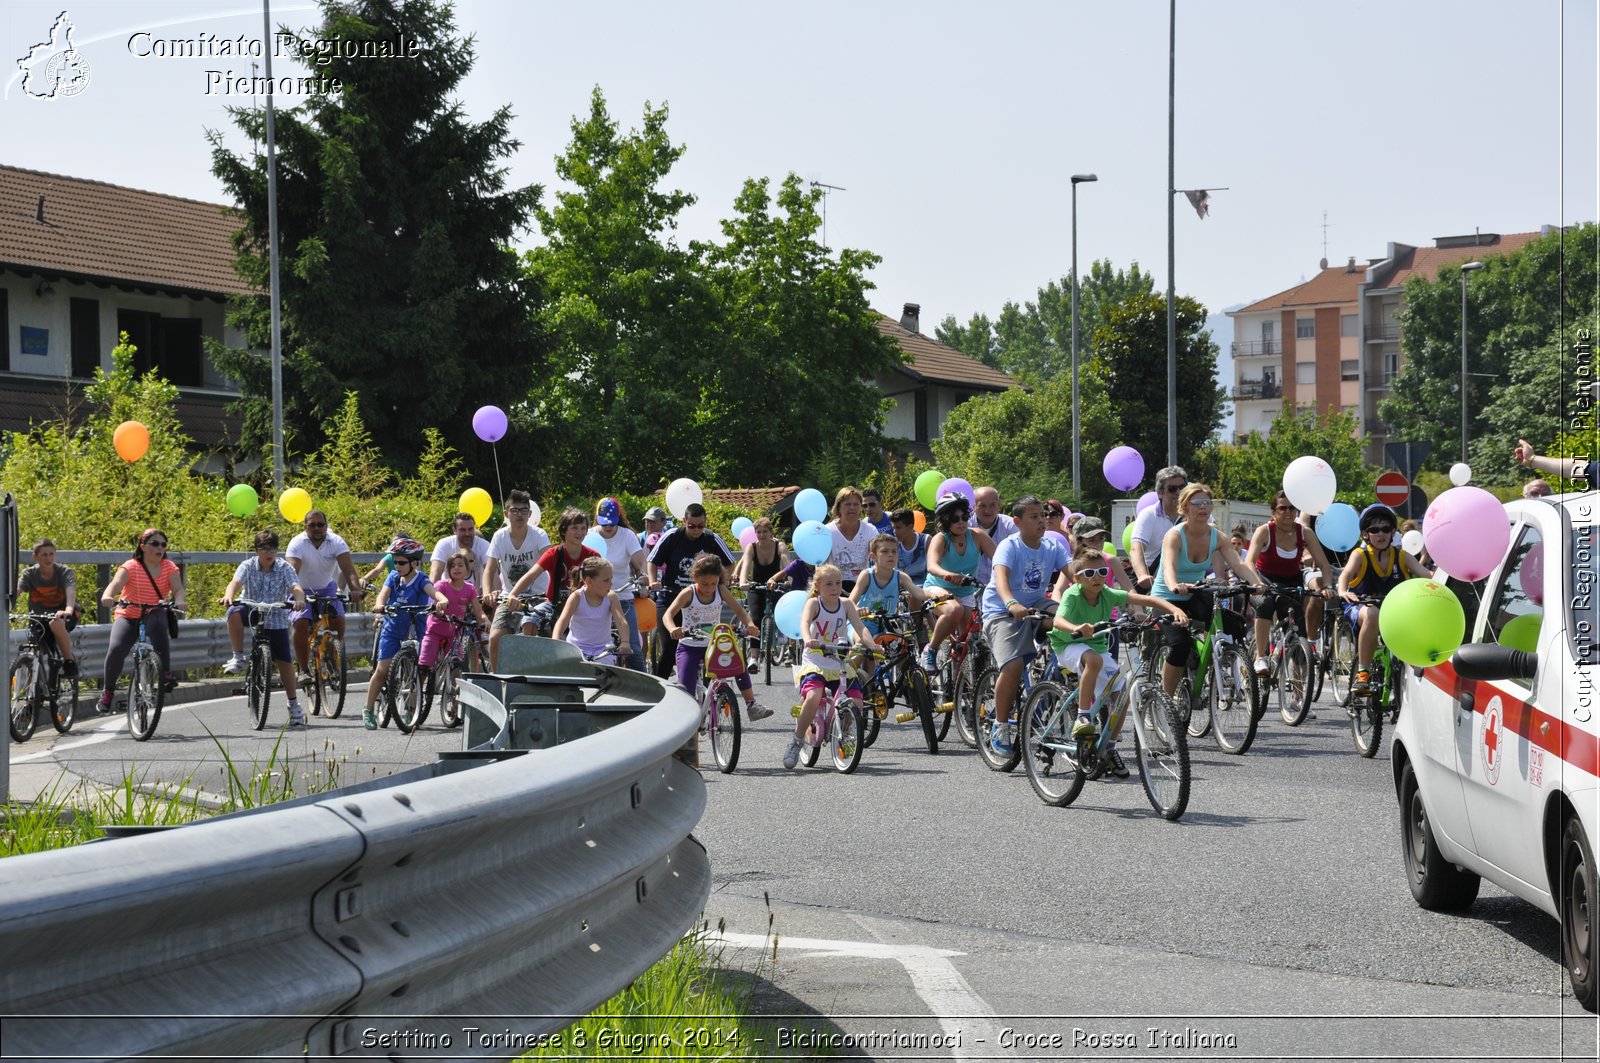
(1334, 285)
(1427, 261)
(933, 361)
(762, 499)
(98, 231)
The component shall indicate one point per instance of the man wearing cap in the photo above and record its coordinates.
(512, 552)
(626, 554)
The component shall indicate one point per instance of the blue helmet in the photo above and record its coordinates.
(1374, 513)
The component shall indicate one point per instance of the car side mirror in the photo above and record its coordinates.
(1490, 660)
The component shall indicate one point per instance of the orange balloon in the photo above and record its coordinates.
(918, 521)
(645, 609)
(131, 439)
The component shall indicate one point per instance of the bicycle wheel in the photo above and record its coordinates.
(1342, 662)
(724, 730)
(23, 680)
(845, 742)
(984, 710)
(1320, 656)
(1161, 749)
(769, 644)
(960, 696)
(144, 696)
(1233, 699)
(875, 705)
(1366, 723)
(1198, 724)
(1049, 752)
(920, 699)
(258, 684)
(447, 681)
(811, 747)
(331, 675)
(409, 710)
(64, 704)
(1295, 679)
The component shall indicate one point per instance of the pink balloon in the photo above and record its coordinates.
(1467, 532)
(747, 538)
(1146, 500)
(1123, 467)
(1533, 573)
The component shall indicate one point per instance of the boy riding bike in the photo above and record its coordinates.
(1375, 568)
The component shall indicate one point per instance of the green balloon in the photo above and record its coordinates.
(1522, 632)
(242, 500)
(1127, 539)
(927, 487)
(1422, 622)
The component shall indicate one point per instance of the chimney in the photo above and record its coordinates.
(910, 318)
(38, 212)
(1351, 268)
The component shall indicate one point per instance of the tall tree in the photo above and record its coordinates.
(974, 339)
(1033, 340)
(792, 393)
(395, 222)
(1130, 350)
(1252, 470)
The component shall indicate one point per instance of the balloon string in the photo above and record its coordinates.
(494, 448)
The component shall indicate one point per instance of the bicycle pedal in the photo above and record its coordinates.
(237, 691)
(946, 706)
(904, 717)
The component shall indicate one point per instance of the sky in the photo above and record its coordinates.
(953, 128)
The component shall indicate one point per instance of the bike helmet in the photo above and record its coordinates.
(1375, 513)
(949, 502)
(409, 548)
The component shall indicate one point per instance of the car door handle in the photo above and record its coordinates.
(1464, 701)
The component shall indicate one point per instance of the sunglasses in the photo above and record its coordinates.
(403, 561)
(1102, 572)
(1173, 489)
(160, 544)
(1200, 503)
(317, 524)
(1380, 530)
(696, 527)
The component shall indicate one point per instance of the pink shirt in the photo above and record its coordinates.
(457, 597)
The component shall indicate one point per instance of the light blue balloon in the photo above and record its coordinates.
(813, 542)
(595, 541)
(1339, 527)
(810, 505)
(739, 525)
(786, 614)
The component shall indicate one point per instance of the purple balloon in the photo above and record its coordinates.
(489, 423)
(1062, 539)
(1124, 468)
(957, 486)
(1146, 500)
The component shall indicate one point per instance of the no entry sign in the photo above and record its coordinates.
(1393, 489)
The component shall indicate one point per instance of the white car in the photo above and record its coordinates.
(1495, 753)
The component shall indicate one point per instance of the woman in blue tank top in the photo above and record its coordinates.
(953, 556)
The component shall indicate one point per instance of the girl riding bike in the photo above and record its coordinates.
(823, 621)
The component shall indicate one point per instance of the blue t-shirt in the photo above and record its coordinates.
(914, 561)
(418, 591)
(1031, 571)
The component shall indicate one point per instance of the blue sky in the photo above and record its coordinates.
(953, 127)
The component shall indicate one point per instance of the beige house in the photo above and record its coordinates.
(936, 379)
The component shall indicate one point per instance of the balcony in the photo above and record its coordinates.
(1258, 389)
(1256, 348)
(1383, 333)
(1381, 382)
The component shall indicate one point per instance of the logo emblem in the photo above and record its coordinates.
(1491, 744)
(54, 68)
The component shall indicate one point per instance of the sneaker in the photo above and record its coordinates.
(1261, 666)
(297, 717)
(930, 660)
(1084, 728)
(791, 755)
(757, 712)
(1114, 764)
(103, 704)
(1000, 741)
(303, 678)
(69, 668)
(369, 719)
(169, 682)
(1363, 683)
(235, 665)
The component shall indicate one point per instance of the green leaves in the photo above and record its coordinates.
(1253, 469)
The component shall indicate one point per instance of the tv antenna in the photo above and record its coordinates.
(826, 188)
(1324, 236)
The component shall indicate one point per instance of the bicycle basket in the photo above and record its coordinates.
(724, 654)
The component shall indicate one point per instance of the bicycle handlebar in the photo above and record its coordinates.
(145, 607)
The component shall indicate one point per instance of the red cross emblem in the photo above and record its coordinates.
(1493, 716)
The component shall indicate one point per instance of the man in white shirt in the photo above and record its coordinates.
(465, 537)
(320, 557)
(512, 552)
(987, 518)
(1151, 526)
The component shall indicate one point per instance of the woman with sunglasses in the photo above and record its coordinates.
(953, 553)
(1278, 550)
(146, 579)
(1375, 568)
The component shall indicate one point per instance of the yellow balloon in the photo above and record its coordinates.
(294, 504)
(476, 501)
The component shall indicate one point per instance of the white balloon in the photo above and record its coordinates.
(1411, 542)
(533, 518)
(1310, 484)
(1460, 474)
(681, 494)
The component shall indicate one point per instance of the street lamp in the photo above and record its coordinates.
(1466, 268)
(1077, 467)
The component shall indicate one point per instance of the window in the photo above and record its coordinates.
(85, 337)
(1305, 328)
(5, 332)
(1518, 611)
(1269, 330)
(920, 407)
(168, 344)
(1347, 324)
(1349, 369)
(1305, 372)
(1391, 367)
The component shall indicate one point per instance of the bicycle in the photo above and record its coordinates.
(146, 691)
(1225, 677)
(444, 680)
(37, 679)
(402, 688)
(1289, 660)
(1339, 652)
(719, 709)
(1367, 711)
(962, 660)
(775, 648)
(258, 672)
(326, 661)
(839, 718)
(1058, 764)
(1038, 667)
(900, 675)
(1323, 646)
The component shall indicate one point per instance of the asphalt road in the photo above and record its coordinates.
(930, 893)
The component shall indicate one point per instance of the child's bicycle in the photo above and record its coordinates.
(146, 691)
(444, 681)
(37, 679)
(1367, 711)
(838, 722)
(1058, 763)
(963, 659)
(718, 694)
(326, 661)
(402, 689)
(1224, 676)
(1038, 666)
(900, 675)
(1290, 662)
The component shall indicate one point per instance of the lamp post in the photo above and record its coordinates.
(1077, 466)
(1466, 268)
(275, 294)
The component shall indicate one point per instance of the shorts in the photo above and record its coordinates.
(1276, 605)
(393, 633)
(967, 596)
(815, 681)
(507, 617)
(1072, 656)
(333, 605)
(1010, 639)
(1352, 613)
(277, 637)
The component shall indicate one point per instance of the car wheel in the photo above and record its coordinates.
(1577, 900)
(1436, 883)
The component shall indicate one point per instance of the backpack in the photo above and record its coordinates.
(724, 653)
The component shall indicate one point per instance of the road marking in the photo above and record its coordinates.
(935, 979)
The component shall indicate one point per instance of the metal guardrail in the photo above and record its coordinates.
(476, 904)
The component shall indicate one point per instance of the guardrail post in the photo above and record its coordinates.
(102, 575)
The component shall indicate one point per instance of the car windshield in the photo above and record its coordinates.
(1584, 621)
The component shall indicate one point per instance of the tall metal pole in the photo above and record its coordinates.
(1172, 191)
(1466, 268)
(1077, 434)
(272, 258)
